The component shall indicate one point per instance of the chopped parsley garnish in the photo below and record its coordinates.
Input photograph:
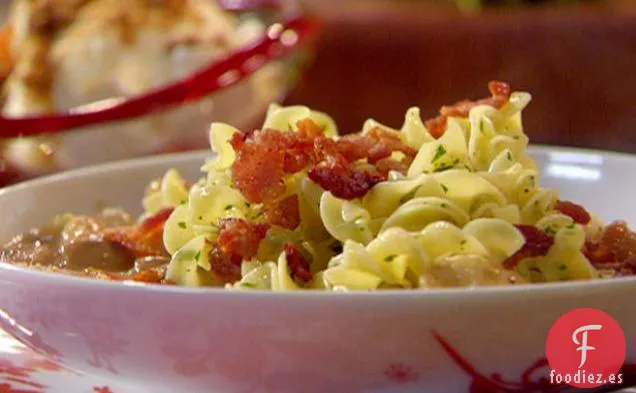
(550, 231)
(515, 137)
(390, 258)
(463, 242)
(248, 285)
(439, 153)
(229, 207)
(444, 167)
(571, 226)
(183, 201)
(509, 156)
(443, 205)
(562, 267)
(182, 225)
(481, 126)
(197, 256)
(444, 187)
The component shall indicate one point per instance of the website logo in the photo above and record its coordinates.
(586, 348)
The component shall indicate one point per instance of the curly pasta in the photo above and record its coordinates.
(458, 209)
(400, 258)
(170, 191)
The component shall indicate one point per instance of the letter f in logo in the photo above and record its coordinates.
(583, 344)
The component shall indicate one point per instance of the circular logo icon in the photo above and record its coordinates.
(586, 348)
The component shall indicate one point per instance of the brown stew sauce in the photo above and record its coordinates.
(84, 246)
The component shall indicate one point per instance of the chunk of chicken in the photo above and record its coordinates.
(467, 271)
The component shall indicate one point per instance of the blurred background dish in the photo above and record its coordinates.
(77, 55)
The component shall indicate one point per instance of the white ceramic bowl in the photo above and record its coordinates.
(172, 339)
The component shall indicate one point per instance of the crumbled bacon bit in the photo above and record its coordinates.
(284, 213)
(374, 146)
(143, 240)
(238, 241)
(241, 237)
(152, 227)
(386, 142)
(238, 140)
(264, 157)
(258, 168)
(344, 181)
(436, 126)
(310, 128)
(537, 244)
(499, 90)
(615, 251)
(500, 94)
(620, 239)
(598, 254)
(574, 211)
(227, 266)
(298, 264)
(628, 267)
(127, 239)
(148, 277)
(386, 165)
(299, 151)
(150, 231)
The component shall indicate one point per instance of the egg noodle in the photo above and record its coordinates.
(452, 219)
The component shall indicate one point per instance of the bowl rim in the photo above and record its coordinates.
(176, 159)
